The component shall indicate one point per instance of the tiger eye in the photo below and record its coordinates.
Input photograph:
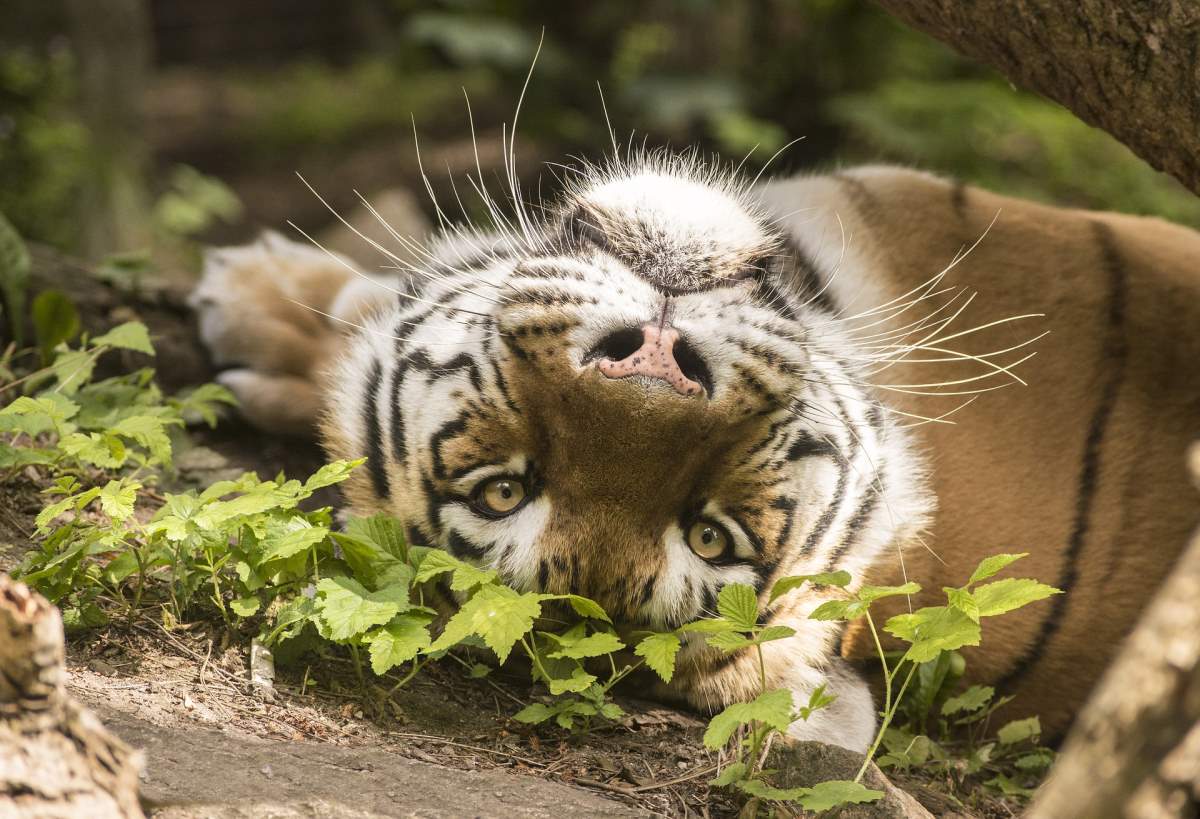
(707, 539)
(501, 495)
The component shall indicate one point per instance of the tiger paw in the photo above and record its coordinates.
(273, 315)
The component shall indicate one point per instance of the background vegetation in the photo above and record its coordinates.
(101, 103)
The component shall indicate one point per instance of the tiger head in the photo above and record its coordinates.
(640, 398)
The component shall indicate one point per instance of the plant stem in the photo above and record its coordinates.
(887, 720)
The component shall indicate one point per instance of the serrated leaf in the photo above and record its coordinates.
(731, 773)
(839, 610)
(1019, 730)
(972, 699)
(729, 641)
(117, 499)
(964, 601)
(578, 682)
(478, 671)
(738, 603)
(299, 536)
(932, 630)
(467, 577)
(1038, 760)
(772, 633)
(711, 625)
(435, 562)
(1012, 593)
(132, 335)
(659, 651)
(348, 610)
(869, 594)
(771, 707)
(331, 473)
(400, 640)
(787, 584)
(593, 645)
(534, 713)
(498, 614)
(382, 531)
(586, 607)
(760, 789)
(993, 565)
(828, 795)
(72, 369)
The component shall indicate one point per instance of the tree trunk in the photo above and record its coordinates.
(56, 759)
(1131, 67)
(1135, 750)
(112, 41)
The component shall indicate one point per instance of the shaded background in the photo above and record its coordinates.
(135, 127)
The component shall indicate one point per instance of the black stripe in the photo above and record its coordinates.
(375, 465)
(460, 546)
(1114, 355)
(805, 445)
(813, 288)
(447, 430)
(870, 499)
(862, 199)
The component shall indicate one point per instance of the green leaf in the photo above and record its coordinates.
(729, 641)
(993, 565)
(731, 773)
(117, 499)
(1037, 760)
(72, 369)
(1012, 593)
(659, 651)
(756, 787)
(331, 473)
(245, 606)
(14, 278)
(786, 584)
(148, 431)
(711, 625)
(972, 699)
(964, 601)
(478, 671)
(594, 645)
(382, 531)
(55, 320)
(869, 594)
(498, 614)
(1019, 731)
(299, 536)
(578, 682)
(772, 633)
(738, 604)
(1008, 787)
(827, 795)
(932, 630)
(839, 610)
(535, 713)
(771, 707)
(348, 610)
(586, 607)
(434, 563)
(400, 640)
(132, 335)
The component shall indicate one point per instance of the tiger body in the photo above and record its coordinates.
(669, 363)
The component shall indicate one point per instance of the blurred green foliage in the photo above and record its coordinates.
(733, 77)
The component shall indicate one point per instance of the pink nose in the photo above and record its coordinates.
(655, 358)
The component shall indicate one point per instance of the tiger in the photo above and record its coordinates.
(673, 379)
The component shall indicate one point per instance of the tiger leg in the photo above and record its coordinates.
(275, 314)
(711, 683)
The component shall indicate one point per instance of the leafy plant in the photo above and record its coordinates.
(245, 550)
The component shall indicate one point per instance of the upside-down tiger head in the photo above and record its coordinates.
(640, 398)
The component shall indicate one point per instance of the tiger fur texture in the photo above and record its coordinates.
(673, 380)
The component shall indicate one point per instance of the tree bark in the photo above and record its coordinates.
(56, 759)
(1135, 750)
(1130, 67)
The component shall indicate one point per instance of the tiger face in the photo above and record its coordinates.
(641, 399)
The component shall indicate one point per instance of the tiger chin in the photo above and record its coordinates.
(672, 381)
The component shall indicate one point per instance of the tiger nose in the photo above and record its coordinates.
(659, 356)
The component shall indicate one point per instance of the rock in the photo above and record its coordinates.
(804, 764)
